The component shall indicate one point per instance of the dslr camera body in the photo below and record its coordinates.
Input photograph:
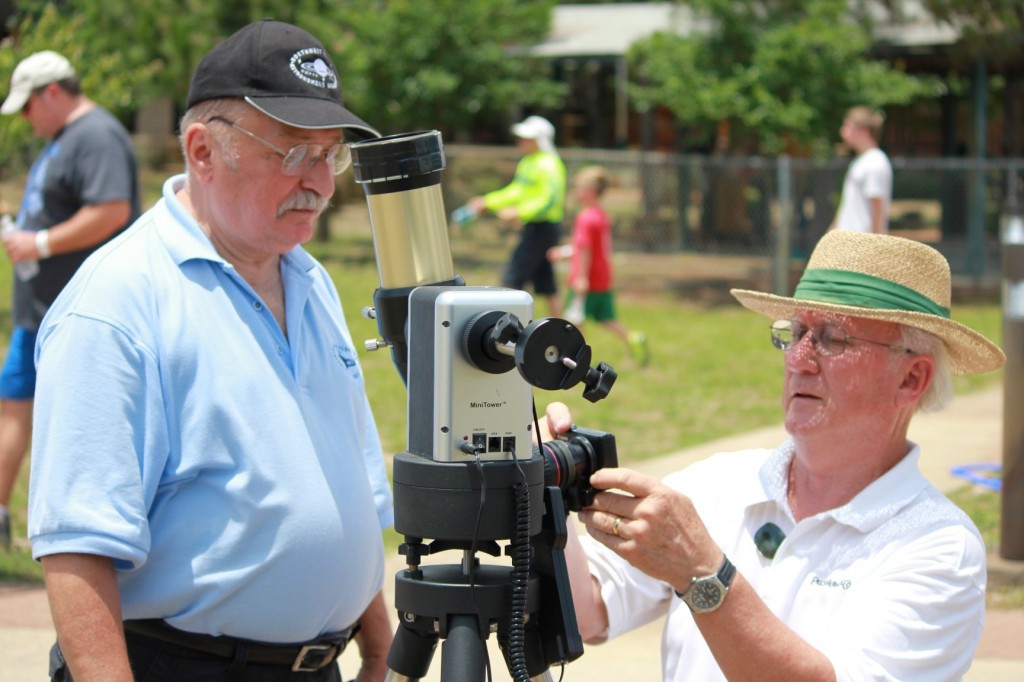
(572, 459)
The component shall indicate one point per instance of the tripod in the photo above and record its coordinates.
(527, 604)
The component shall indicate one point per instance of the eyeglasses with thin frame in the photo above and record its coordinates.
(828, 339)
(302, 157)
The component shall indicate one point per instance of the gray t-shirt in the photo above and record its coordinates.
(91, 161)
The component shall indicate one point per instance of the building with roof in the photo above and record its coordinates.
(587, 47)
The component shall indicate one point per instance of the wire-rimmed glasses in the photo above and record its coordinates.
(302, 157)
(828, 339)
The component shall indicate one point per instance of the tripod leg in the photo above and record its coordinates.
(463, 654)
(410, 654)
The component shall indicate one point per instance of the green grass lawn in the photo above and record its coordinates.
(713, 370)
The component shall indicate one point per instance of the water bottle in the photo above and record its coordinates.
(23, 269)
(463, 215)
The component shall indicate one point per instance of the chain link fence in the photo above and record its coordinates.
(776, 208)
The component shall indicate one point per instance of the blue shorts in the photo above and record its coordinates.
(18, 377)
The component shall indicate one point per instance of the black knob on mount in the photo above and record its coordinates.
(599, 382)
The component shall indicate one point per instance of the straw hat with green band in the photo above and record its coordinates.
(881, 277)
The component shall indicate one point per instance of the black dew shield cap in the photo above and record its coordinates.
(281, 70)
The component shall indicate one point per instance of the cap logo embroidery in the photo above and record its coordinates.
(310, 67)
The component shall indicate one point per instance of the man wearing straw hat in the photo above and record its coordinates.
(830, 557)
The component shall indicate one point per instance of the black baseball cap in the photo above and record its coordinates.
(281, 70)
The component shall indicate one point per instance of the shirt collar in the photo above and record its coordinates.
(870, 508)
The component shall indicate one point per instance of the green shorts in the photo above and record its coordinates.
(599, 306)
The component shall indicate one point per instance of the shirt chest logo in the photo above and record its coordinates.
(843, 584)
(346, 357)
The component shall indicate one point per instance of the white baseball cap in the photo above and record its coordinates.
(35, 71)
(536, 128)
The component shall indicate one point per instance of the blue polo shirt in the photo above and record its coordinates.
(234, 474)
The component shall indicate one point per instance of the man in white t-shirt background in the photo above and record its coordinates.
(867, 188)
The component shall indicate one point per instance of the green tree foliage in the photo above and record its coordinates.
(780, 73)
(403, 64)
(125, 54)
(105, 76)
(154, 44)
(409, 64)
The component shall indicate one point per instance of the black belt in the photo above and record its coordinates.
(305, 657)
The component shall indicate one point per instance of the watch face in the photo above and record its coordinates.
(705, 595)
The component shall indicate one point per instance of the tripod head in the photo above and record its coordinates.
(470, 476)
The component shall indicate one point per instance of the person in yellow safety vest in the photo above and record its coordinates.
(536, 199)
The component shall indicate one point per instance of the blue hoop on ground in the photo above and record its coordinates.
(987, 474)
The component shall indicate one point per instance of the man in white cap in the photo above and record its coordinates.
(536, 199)
(82, 189)
(208, 489)
(830, 557)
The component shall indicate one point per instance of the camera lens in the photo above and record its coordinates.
(568, 466)
(559, 464)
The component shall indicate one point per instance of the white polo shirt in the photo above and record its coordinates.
(890, 586)
(868, 177)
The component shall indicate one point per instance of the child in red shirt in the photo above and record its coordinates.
(590, 264)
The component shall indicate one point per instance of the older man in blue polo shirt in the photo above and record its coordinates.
(208, 489)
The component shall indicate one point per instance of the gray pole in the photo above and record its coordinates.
(784, 179)
(1011, 545)
(976, 216)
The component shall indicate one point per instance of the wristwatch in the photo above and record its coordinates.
(707, 593)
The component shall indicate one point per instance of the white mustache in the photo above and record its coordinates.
(305, 200)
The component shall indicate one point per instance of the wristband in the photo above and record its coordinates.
(43, 244)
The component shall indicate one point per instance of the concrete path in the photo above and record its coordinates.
(967, 432)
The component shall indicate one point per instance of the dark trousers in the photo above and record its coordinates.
(155, 661)
(529, 261)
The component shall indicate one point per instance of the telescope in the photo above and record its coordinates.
(471, 477)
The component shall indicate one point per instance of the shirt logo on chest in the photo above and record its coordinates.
(828, 582)
(347, 358)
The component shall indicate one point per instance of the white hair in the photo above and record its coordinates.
(940, 392)
(230, 108)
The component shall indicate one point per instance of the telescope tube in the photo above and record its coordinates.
(401, 177)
